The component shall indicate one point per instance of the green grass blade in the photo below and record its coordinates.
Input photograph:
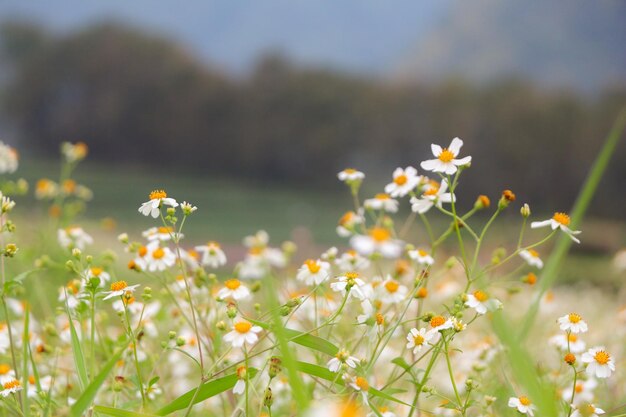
(89, 394)
(116, 412)
(553, 264)
(324, 373)
(523, 368)
(77, 352)
(298, 389)
(206, 390)
(25, 356)
(303, 339)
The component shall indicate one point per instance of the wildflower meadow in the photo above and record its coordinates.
(386, 323)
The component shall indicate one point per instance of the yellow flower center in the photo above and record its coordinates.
(533, 253)
(118, 286)
(14, 383)
(602, 357)
(157, 195)
(362, 383)
(561, 218)
(158, 253)
(352, 275)
(422, 293)
(379, 234)
(232, 284)
(349, 170)
(243, 327)
(579, 388)
(400, 179)
(481, 296)
(164, 229)
(4, 368)
(574, 318)
(572, 337)
(382, 196)
(590, 409)
(418, 340)
(422, 253)
(31, 379)
(437, 321)
(380, 319)
(392, 286)
(524, 400)
(313, 266)
(346, 218)
(446, 155)
(142, 251)
(95, 271)
(432, 190)
(69, 186)
(349, 409)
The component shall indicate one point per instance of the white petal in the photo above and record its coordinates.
(436, 150)
(455, 146)
(430, 164)
(462, 161)
(535, 225)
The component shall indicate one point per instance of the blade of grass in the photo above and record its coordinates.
(303, 339)
(116, 412)
(553, 264)
(77, 352)
(524, 370)
(25, 346)
(207, 390)
(89, 394)
(298, 389)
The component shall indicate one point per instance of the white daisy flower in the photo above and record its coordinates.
(6, 373)
(11, 387)
(584, 391)
(572, 322)
(599, 362)
(243, 333)
(377, 240)
(120, 288)
(563, 340)
(156, 258)
(358, 383)
(351, 282)
(382, 202)
(446, 161)
(352, 261)
(418, 338)
(350, 175)
(481, 302)
(233, 288)
(97, 272)
(439, 323)
(587, 410)
(161, 233)
(240, 386)
(404, 181)
(434, 194)
(258, 240)
(70, 294)
(421, 257)
(212, 255)
(391, 291)
(74, 152)
(158, 198)
(73, 237)
(188, 208)
(342, 357)
(8, 159)
(532, 258)
(313, 272)
(348, 222)
(561, 221)
(522, 404)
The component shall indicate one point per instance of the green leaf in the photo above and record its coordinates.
(205, 391)
(401, 363)
(116, 412)
(86, 398)
(298, 389)
(324, 373)
(16, 281)
(303, 339)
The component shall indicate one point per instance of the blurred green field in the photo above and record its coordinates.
(231, 209)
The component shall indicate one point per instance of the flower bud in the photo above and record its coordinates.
(171, 335)
(482, 202)
(507, 197)
(525, 210)
(123, 238)
(570, 359)
(180, 342)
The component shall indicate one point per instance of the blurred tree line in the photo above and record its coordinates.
(135, 97)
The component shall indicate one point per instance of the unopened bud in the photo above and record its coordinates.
(525, 210)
